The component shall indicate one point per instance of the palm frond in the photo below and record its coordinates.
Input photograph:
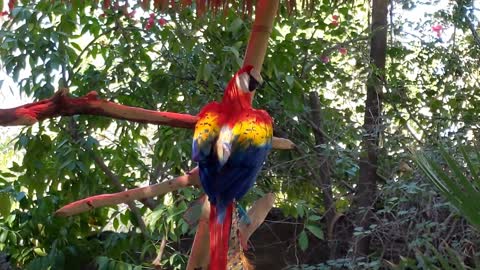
(460, 184)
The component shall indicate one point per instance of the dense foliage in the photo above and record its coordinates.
(178, 62)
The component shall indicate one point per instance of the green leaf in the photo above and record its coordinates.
(3, 236)
(317, 231)
(235, 25)
(40, 252)
(116, 223)
(289, 79)
(314, 218)
(303, 240)
(460, 191)
(102, 262)
(5, 204)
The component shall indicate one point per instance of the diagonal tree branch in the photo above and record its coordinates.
(471, 26)
(72, 130)
(84, 205)
(116, 182)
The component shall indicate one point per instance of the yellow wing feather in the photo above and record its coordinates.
(253, 130)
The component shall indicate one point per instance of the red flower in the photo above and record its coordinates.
(437, 29)
(3, 13)
(150, 22)
(162, 21)
(342, 51)
(11, 4)
(334, 22)
(106, 4)
(325, 59)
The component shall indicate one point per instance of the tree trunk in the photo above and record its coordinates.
(323, 177)
(367, 185)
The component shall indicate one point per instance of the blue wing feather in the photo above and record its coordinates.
(224, 184)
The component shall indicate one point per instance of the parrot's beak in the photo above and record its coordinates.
(255, 80)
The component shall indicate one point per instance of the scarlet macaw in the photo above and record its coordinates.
(231, 141)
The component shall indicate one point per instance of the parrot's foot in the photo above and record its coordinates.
(243, 215)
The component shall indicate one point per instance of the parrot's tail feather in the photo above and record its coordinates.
(219, 237)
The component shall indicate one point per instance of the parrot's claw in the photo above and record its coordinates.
(243, 215)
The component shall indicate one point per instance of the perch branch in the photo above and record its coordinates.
(62, 105)
(199, 258)
(257, 214)
(102, 200)
(265, 13)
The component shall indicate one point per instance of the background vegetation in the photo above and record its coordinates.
(317, 61)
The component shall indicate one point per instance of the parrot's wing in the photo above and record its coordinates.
(253, 129)
(206, 132)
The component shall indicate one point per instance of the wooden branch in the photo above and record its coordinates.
(84, 205)
(265, 13)
(157, 262)
(257, 214)
(199, 258)
(118, 185)
(62, 105)
(200, 255)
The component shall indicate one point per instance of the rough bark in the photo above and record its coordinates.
(367, 184)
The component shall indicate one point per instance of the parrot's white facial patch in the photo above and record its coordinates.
(243, 80)
(249, 81)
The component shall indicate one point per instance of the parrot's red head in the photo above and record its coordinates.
(241, 87)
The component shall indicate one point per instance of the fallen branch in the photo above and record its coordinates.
(62, 105)
(102, 200)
